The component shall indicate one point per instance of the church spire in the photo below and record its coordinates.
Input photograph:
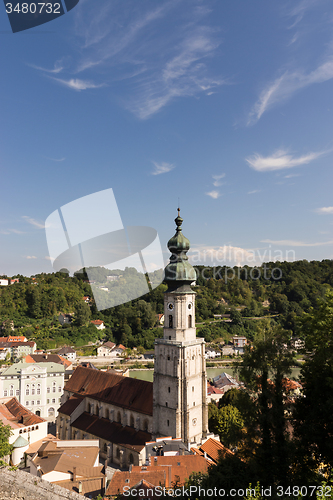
(179, 271)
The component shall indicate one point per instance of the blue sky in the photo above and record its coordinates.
(224, 105)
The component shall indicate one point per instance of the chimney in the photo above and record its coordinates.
(205, 454)
(74, 474)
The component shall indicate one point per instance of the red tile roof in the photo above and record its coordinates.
(71, 404)
(214, 448)
(16, 415)
(121, 479)
(133, 394)
(97, 322)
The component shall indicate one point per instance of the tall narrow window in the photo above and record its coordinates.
(190, 320)
(170, 321)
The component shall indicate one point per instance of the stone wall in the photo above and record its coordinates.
(19, 485)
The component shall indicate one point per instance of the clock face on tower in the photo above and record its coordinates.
(170, 306)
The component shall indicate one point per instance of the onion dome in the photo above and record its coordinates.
(20, 442)
(179, 271)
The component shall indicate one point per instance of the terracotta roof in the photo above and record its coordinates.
(114, 432)
(16, 415)
(51, 458)
(97, 322)
(70, 405)
(12, 338)
(34, 447)
(121, 479)
(213, 390)
(120, 346)
(213, 448)
(165, 471)
(133, 394)
(92, 487)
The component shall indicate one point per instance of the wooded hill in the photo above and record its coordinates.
(34, 304)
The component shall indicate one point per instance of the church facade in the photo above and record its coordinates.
(125, 413)
(180, 380)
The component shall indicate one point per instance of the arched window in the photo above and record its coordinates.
(38, 413)
(145, 425)
(118, 453)
(170, 321)
(50, 412)
(33, 389)
(107, 413)
(89, 408)
(97, 410)
(190, 320)
(131, 458)
(105, 448)
(132, 421)
(38, 388)
(27, 390)
(119, 417)
(54, 387)
(11, 390)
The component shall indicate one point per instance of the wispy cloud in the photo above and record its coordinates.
(254, 191)
(290, 176)
(55, 159)
(33, 222)
(58, 67)
(31, 257)
(217, 180)
(214, 194)
(284, 86)
(325, 210)
(162, 168)
(156, 69)
(279, 160)
(78, 85)
(296, 243)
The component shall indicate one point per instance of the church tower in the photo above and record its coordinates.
(180, 381)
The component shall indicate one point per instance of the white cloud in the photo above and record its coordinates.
(284, 86)
(290, 176)
(325, 210)
(296, 243)
(33, 222)
(55, 159)
(162, 168)
(280, 159)
(217, 180)
(254, 191)
(78, 85)
(58, 67)
(31, 257)
(157, 69)
(214, 194)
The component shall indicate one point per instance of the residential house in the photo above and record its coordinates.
(212, 354)
(212, 449)
(68, 353)
(116, 410)
(106, 349)
(239, 344)
(65, 318)
(3, 282)
(17, 348)
(86, 298)
(98, 323)
(49, 358)
(164, 472)
(119, 349)
(13, 338)
(160, 319)
(4, 353)
(213, 393)
(224, 382)
(26, 427)
(37, 386)
(74, 465)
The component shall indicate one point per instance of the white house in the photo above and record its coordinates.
(68, 353)
(106, 349)
(98, 323)
(26, 427)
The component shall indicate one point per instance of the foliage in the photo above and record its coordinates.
(5, 433)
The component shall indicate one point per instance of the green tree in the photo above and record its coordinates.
(313, 413)
(82, 314)
(5, 433)
(229, 425)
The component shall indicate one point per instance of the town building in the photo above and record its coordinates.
(72, 465)
(106, 349)
(26, 427)
(98, 323)
(68, 353)
(37, 386)
(163, 472)
(116, 410)
(180, 380)
(17, 347)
